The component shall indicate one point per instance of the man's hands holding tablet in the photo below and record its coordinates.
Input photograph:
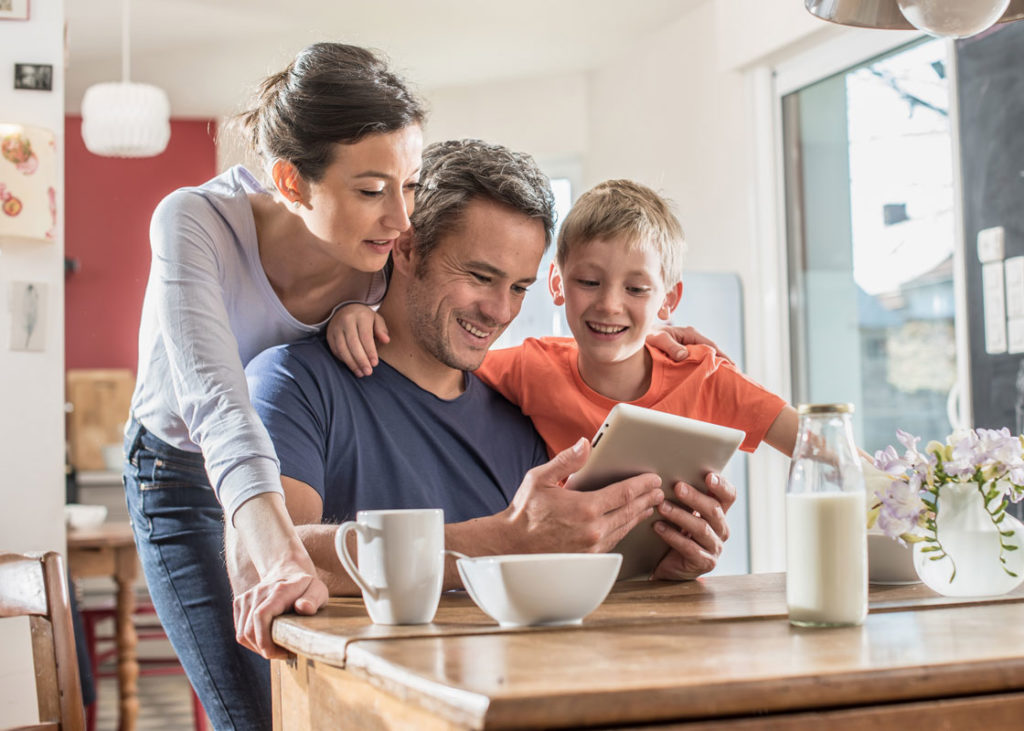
(695, 530)
(544, 516)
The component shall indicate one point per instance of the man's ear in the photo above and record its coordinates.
(289, 183)
(405, 251)
(555, 285)
(672, 298)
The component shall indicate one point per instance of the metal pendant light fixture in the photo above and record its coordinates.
(124, 119)
(945, 18)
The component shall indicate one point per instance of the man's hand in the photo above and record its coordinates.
(673, 339)
(255, 608)
(696, 532)
(546, 517)
(352, 335)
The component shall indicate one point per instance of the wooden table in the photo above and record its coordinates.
(109, 550)
(711, 654)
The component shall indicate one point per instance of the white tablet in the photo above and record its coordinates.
(634, 440)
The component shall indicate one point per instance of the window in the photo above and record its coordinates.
(871, 238)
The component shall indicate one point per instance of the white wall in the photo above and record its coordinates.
(31, 384)
(546, 116)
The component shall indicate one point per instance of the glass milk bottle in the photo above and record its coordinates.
(826, 533)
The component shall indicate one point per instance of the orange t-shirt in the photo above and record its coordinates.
(542, 377)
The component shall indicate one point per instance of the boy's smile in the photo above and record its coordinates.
(613, 295)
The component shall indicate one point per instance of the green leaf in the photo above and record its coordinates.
(938, 558)
(1011, 547)
(930, 549)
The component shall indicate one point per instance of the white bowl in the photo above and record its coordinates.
(80, 517)
(889, 562)
(113, 457)
(539, 588)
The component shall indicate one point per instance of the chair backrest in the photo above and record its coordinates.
(35, 585)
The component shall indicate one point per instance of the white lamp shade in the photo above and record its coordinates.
(122, 119)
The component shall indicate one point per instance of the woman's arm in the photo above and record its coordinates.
(209, 387)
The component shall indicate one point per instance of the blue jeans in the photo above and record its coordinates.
(179, 531)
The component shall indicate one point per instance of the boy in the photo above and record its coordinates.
(617, 270)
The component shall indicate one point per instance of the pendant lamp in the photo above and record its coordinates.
(944, 18)
(123, 119)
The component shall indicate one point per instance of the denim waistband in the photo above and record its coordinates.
(138, 437)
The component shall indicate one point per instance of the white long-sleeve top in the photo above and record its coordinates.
(209, 309)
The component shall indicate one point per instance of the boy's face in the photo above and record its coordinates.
(613, 297)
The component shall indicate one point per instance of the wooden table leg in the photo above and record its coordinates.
(127, 641)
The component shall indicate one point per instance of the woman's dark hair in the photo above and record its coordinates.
(330, 93)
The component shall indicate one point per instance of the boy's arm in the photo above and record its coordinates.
(782, 433)
(352, 335)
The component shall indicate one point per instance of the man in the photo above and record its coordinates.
(422, 430)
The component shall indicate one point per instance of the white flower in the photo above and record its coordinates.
(986, 455)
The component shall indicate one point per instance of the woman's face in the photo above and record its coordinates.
(363, 201)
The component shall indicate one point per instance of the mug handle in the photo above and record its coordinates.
(341, 546)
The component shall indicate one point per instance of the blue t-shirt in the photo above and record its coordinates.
(381, 441)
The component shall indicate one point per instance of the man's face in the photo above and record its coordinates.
(473, 282)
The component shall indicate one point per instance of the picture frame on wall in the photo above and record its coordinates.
(14, 9)
(33, 76)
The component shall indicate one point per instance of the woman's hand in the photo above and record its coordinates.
(673, 339)
(270, 571)
(351, 335)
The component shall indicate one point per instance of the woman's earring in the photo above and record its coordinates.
(296, 204)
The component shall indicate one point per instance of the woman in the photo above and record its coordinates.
(237, 268)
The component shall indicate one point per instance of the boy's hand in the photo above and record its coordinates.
(673, 339)
(696, 532)
(351, 333)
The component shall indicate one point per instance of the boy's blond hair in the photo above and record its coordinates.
(623, 208)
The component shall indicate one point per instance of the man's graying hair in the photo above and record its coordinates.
(458, 171)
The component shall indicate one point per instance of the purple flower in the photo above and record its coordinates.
(994, 456)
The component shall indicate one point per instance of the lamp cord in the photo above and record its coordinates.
(126, 49)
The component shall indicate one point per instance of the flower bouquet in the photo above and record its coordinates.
(950, 502)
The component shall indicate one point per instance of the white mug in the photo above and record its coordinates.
(401, 562)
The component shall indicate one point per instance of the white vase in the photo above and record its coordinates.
(970, 543)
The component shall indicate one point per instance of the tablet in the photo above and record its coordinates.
(634, 440)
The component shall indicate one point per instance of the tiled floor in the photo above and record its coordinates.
(165, 701)
(165, 704)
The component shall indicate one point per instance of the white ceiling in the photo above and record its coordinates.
(210, 54)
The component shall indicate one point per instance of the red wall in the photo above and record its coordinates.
(108, 204)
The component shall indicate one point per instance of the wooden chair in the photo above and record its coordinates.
(35, 585)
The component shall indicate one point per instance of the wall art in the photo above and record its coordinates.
(28, 182)
(13, 9)
(33, 76)
(27, 305)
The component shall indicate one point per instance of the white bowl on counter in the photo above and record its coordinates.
(81, 517)
(539, 588)
(888, 561)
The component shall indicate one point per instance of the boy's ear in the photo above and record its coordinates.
(555, 285)
(289, 182)
(672, 298)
